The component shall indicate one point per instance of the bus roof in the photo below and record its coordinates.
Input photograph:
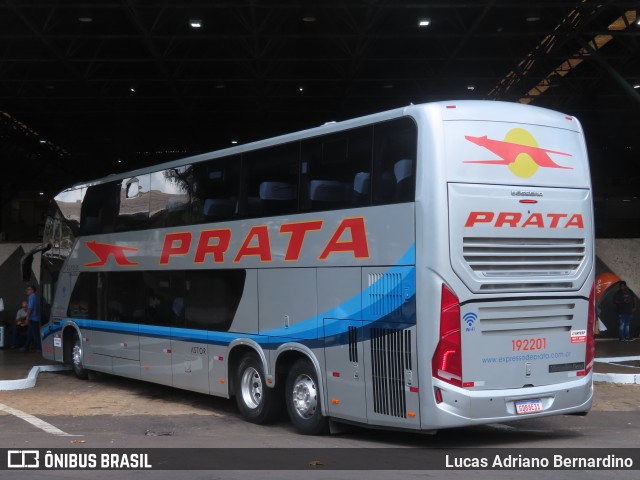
(473, 110)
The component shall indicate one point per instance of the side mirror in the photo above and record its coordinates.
(27, 261)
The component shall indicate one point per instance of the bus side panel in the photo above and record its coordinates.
(126, 367)
(155, 354)
(246, 317)
(218, 370)
(189, 359)
(114, 339)
(340, 297)
(287, 300)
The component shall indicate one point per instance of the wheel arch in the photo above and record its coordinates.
(238, 349)
(70, 330)
(287, 354)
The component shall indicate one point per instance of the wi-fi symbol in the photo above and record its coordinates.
(470, 318)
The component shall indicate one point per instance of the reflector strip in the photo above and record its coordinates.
(438, 395)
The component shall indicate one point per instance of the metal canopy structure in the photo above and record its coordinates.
(93, 87)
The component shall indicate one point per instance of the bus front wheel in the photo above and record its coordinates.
(257, 402)
(303, 400)
(76, 359)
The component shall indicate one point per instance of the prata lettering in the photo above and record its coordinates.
(350, 237)
(518, 220)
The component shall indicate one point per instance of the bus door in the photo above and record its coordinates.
(339, 298)
(345, 368)
(190, 359)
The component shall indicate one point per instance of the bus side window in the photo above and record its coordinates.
(170, 197)
(124, 297)
(212, 298)
(331, 165)
(84, 298)
(133, 213)
(361, 189)
(99, 209)
(395, 151)
(271, 180)
(216, 189)
(164, 298)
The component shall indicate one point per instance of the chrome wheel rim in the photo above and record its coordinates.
(251, 388)
(305, 396)
(76, 355)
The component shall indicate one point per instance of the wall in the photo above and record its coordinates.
(12, 288)
(622, 256)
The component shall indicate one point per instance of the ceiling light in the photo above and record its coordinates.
(309, 18)
(637, 85)
(471, 87)
(43, 141)
(301, 89)
(119, 160)
(195, 23)
(533, 15)
(424, 22)
(41, 193)
(234, 142)
(85, 19)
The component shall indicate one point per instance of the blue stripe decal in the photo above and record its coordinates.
(352, 309)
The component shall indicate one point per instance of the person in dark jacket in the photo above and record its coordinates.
(625, 302)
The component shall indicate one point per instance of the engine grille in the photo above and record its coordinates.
(524, 264)
(390, 357)
(385, 294)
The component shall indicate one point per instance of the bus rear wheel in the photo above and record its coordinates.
(303, 399)
(257, 402)
(76, 359)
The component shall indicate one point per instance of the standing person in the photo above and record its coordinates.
(22, 324)
(625, 302)
(33, 318)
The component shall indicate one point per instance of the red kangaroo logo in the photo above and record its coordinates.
(508, 152)
(103, 250)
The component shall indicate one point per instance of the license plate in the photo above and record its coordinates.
(528, 406)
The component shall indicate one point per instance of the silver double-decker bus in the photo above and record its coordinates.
(422, 268)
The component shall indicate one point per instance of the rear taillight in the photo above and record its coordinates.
(591, 321)
(447, 359)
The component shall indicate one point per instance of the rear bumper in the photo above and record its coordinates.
(461, 407)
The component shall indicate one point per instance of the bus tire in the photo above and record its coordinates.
(257, 402)
(303, 399)
(76, 359)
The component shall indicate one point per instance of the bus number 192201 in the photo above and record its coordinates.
(529, 344)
